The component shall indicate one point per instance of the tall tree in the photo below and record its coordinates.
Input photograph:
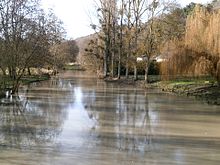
(139, 9)
(26, 34)
(120, 50)
(106, 15)
(132, 30)
(203, 39)
(128, 32)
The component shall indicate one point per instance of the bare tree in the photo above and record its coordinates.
(106, 14)
(64, 52)
(27, 35)
(128, 15)
(139, 8)
(121, 27)
(132, 30)
(152, 28)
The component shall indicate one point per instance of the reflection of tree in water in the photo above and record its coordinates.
(30, 120)
(133, 122)
(122, 116)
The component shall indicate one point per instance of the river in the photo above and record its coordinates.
(76, 119)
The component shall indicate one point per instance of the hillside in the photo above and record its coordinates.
(82, 43)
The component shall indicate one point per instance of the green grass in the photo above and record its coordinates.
(192, 82)
(185, 84)
(184, 81)
(73, 67)
(6, 82)
(31, 79)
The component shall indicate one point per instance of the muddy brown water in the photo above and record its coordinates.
(76, 119)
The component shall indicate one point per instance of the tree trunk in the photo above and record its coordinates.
(135, 72)
(13, 73)
(119, 68)
(119, 57)
(146, 72)
(127, 69)
(3, 71)
(105, 65)
(121, 40)
(113, 66)
(127, 60)
(15, 87)
(218, 73)
(129, 41)
(106, 56)
(29, 71)
(10, 72)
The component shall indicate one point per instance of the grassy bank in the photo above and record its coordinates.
(31, 79)
(75, 67)
(6, 83)
(205, 89)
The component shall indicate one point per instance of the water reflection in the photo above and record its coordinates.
(32, 118)
(123, 120)
(87, 121)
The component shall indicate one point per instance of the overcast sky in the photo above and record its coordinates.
(75, 14)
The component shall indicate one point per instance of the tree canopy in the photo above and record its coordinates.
(26, 35)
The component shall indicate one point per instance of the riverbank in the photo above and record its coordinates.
(24, 81)
(207, 92)
(201, 90)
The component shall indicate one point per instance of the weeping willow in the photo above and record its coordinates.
(203, 37)
(203, 31)
(200, 53)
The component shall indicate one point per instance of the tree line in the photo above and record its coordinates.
(128, 29)
(198, 53)
(28, 37)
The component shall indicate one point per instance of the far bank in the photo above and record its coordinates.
(201, 89)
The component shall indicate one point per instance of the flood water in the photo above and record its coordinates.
(78, 120)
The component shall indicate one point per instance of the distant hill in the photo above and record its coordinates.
(82, 43)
